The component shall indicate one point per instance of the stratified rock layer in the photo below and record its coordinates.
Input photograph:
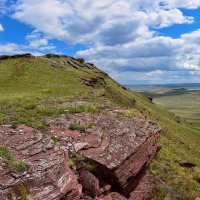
(47, 176)
(120, 149)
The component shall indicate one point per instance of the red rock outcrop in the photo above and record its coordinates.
(143, 189)
(119, 149)
(93, 81)
(47, 176)
(89, 182)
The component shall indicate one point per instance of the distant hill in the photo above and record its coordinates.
(188, 86)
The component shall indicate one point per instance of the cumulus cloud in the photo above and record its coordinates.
(11, 48)
(4, 8)
(189, 4)
(104, 21)
(37, 44)
(38, 41)
(122, 35)
(163, 53)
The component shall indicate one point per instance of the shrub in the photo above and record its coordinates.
(55, 139)
(30, 106)
(8, 158)
(19, 166)
(76, 126)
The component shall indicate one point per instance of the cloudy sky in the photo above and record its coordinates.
(135, 41)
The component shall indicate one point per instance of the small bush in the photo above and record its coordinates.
(76, 126)
(159, 193)
(14, 124)
(5, 154)
(70, 162)
(15, 164)
(19, 166)
(46, 111)
(81, 109)
(74, 159)
(55, 139)
(23, 194)
(76, 109)
(30, 106)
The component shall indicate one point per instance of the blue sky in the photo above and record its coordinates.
(135, 41)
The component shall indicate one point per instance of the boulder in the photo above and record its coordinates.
(185, 163)
(93, 81)
(89, 182)
(79, 146)
(91, 64)
(52, 56)
(124, 156)
(81, 60)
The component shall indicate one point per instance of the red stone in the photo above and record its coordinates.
(90, 182)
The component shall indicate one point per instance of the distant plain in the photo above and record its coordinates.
(181, 99)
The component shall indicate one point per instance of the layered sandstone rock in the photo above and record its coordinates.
(47, 175)
(118, 147)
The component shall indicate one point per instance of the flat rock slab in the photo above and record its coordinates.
(116, 139)
(121, 147)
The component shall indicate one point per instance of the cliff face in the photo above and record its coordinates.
(83, 152)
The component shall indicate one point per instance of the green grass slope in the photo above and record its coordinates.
(32, 89)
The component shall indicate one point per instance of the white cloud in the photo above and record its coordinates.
(1, 28)
(122, 35)
(38, 41)
(164, 18)
(11, 48)
(193, 37)
(3, 6)
(104, 21)
(189, 4)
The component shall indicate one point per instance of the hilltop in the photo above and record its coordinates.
(51, 105)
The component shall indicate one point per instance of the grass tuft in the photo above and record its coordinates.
(76, 126)
(8, 158)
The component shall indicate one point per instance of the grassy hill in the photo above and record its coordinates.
(34, 88)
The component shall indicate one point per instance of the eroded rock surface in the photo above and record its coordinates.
(117, 148)
(121, 149)
(47, 176)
